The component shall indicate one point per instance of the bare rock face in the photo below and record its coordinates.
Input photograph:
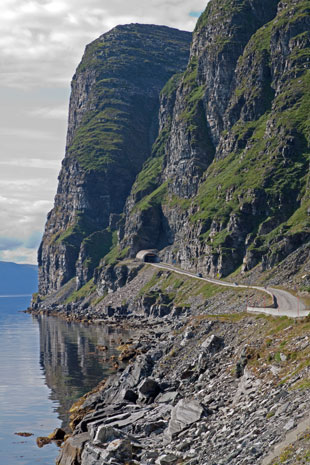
(112, 125)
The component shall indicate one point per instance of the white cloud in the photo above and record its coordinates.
(54, 33)
(9, 243)
(22, 216)
(60, 112)
(19, 255)
(25, 133)
(22, 184)
(30, 163)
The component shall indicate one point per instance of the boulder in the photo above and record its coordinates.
(120, 449)
(156, 427)
(43, 441)
(57, 435)
(70, 454)
(166, 459)
(212, 344)
(117, 451)
(106, 433)
(167, 397)
(185, 413)
(130, 395)
(149, 388)
(140, 369)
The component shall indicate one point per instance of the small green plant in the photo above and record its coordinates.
(270, 414)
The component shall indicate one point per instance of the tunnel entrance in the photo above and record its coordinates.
(151, 258)
(148, 256)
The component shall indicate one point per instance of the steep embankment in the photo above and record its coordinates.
(229, 185)
(112, 125)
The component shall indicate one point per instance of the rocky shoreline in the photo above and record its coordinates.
(198, 389)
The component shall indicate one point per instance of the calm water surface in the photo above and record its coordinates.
(45, 365)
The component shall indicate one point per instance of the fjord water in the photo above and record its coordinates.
(24, 397)
(46, 364)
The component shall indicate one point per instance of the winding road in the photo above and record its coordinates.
(285, 303)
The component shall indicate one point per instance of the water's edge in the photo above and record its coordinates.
(46, 365)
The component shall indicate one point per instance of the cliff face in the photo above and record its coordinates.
(233, 188)
(225, 184)
(112, 125)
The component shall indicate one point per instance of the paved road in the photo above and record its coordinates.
(285, 303)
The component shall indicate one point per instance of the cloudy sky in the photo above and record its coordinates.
(41, 44)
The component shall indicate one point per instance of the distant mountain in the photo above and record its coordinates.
(18, 279)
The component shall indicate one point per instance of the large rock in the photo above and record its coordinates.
(71, 451)
(186, 412)
(140, 369)
(106, 433)
(119, 450)
(167, 397)
(167, 459)
(212, 344)
(149, 388)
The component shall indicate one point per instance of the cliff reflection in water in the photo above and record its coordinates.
(71, 358)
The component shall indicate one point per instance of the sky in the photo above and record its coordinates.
(41, 44)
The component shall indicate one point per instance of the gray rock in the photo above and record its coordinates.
(130, 395)
(129, 420)
(106, 433)
(188, 334)
(212, 344)
(119, 450)
(133, 374)
(289, 425)
(71, 451)
(166, 459)
(155, 427)
(167, 397)
(149, 388)
(185, 413)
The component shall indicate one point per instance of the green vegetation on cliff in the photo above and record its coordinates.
(121, 63)
(255, 193)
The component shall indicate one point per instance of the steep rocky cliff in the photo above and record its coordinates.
(112, 125)
(232, 189)
(226, 183)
